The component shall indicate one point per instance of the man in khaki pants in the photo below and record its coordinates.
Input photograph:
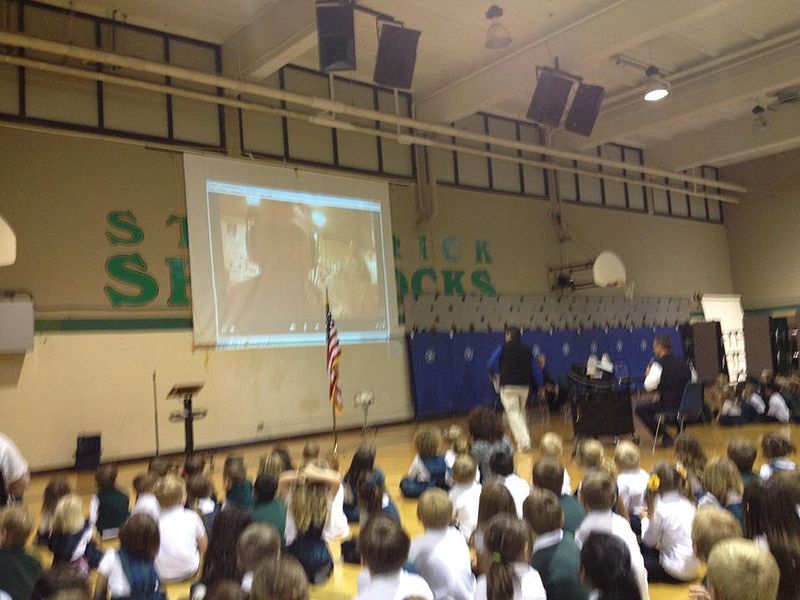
(513, 362)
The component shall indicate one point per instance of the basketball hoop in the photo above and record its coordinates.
(608, 270)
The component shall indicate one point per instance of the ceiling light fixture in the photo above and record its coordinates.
(760, 122)
(657, 88)
(497, 36)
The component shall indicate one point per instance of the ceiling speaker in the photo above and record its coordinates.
(337, 37)
(397, 55)
(549, 99)
(585, 108)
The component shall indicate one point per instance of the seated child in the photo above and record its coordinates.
(777, 409)
(238, 488)
(258, 543)
(308, 498)
(441, 555)
(428, 469)
(109, 507)
(711, 525)
(465, 495)
(72, 537)
(552, 446)
(555, 555)
(159, 466)
(691, 457)
(130, 571)
(495, 499)
(723, 486)
(548, 474)
(502, 466)
(267, 508)
(589, 455)
(488, 433)
(283, 579)
(740, 570)
(194, 465)
(310, 452)
(631, 481)
(220, 558)
(337, 525)
(19, 571)
(451, 434)
(598, 494)
(56, 488)
(743, 454)
(363, 462)
(776, 449)
(667, 528)
(461, 447)
(183, 535)
(373, 499)
(200, 498)
(384, 548)
(606, 568)
(753, 405)
(509, 574)
(146, 501)
(61, 582)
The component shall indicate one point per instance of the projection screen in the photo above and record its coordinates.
(268, 243)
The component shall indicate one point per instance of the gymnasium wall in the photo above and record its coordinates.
(763, 232)
(101, 243)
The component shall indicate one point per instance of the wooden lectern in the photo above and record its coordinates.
(188, 414)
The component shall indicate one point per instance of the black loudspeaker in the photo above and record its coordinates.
(549, 99)
(87, 453)
(337, 36)
(397, 55)
(709, 353)
(585, 108)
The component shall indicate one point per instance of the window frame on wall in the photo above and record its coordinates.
(286, 154)
(706, 213)
(100, 127)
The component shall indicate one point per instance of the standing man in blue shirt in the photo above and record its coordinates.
(513, 363)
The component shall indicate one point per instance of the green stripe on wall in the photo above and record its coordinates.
(111, 324)
(771, 309)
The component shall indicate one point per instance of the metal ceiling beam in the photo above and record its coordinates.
(730, 142)
(746, 79)
(278, 36)
(609, 31)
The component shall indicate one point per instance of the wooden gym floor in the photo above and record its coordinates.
(395, 452)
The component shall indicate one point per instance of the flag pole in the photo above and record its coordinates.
(333, 406)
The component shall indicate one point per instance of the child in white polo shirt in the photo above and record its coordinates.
(183, 535)
(441, 555)
(465, 495)
(502, 466)
(384, 549)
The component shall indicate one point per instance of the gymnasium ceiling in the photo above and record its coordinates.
(720, 56)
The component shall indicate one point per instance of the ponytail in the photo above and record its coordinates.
(507, 541)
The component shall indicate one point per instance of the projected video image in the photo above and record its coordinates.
(276, 252)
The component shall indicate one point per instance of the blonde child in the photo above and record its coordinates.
(450, 436)
(183, 535)
(441, 555)
(428, 469)
(72, 537)
(384, 548)
(310, 452)
(667, 528)
(740, 570)
(711, 525)
(776, 450)
(56, 488)
(146, 501)
(723, 486)
(465, 495)
(109, 507)
(631, 481)
(19, 571)
(589, 456)
(552, 446)
(281, 580)
(692, 458)
(510, 575)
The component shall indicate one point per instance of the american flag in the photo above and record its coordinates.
(334, 352)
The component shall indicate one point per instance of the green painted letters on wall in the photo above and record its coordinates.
(418, 276)
(130, 269)
(452, 283)
(179, 281)
(483, 283)
(183, 222)
(125, 221)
